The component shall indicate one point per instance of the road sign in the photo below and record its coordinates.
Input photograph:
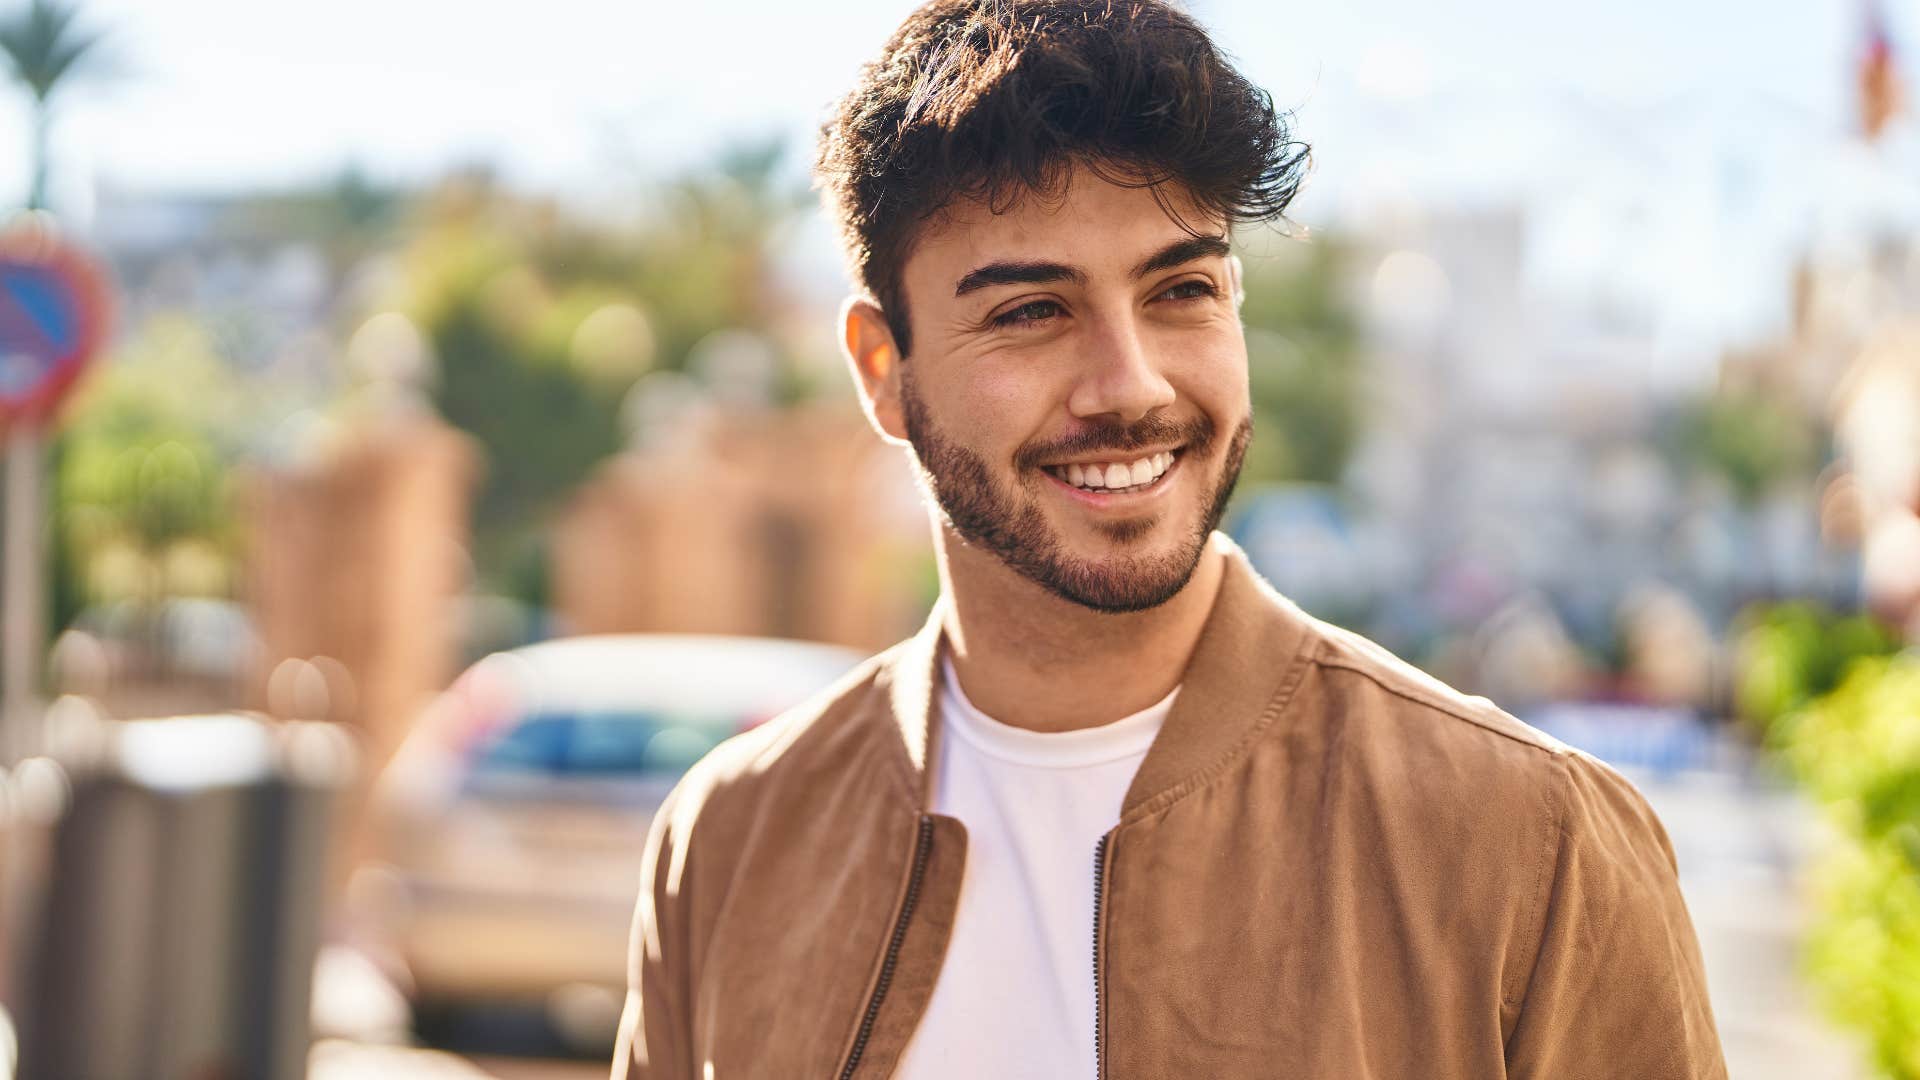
(53, 319)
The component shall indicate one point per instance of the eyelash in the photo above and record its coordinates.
(1012, 317)
(1207, 289)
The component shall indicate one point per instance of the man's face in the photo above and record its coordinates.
(1077, 391)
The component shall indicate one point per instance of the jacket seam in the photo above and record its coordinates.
(873, 974)
(1289, 683)
(1437, 704)
(1549, 862)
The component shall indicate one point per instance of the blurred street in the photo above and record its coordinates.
(1741, 838)
(334, 1060)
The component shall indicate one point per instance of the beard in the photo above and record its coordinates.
(1012, 526)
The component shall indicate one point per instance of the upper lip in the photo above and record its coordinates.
(1113, 457)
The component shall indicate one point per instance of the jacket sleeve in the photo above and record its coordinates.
(655, 1038)
(1617, 988)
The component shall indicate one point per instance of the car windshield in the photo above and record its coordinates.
(602, 743)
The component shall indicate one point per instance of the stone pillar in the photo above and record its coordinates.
(793, 523)
(355, 563)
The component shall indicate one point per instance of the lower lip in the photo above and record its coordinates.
(1120, 500)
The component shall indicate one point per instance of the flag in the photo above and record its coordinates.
(1880, 91)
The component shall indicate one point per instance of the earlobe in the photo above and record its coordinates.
(868, 344)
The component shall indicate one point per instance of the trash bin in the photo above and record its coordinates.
(181, 912)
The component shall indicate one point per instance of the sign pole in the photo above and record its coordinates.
(21, 599)
(53, 318)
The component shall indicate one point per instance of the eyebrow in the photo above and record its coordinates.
(1017, 273)
(1183, 251)
(1041, 272)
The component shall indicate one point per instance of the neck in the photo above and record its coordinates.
(1030, 659)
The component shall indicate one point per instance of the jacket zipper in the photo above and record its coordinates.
(1099, 896)
(922, 846)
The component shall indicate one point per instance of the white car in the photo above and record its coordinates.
(509, 825)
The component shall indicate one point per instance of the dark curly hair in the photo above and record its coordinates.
(995, 99)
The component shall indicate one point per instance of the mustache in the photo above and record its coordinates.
(1152, 429)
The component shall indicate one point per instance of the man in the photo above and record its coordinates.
(1119, 810)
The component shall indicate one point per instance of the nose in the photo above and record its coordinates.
(1119, 377)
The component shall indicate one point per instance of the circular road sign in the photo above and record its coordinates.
(53, 318)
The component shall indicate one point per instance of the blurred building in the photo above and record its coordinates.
(1845, 292)
(1877, 427)
(1851, 355)
(241, 264)
(1517, 450)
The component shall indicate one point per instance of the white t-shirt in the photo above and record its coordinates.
(1015, 996)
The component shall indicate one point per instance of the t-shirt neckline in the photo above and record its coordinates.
(1129, 736)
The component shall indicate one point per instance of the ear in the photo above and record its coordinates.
(1236, 281)
(871, 353)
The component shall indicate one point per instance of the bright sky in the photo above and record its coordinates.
(1706, 128)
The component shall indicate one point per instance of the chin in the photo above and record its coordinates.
(1116, 574)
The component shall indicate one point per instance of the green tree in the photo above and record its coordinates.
(143, 493)
(541, 323)
(706, 259)
(1756, 442)
(1303, 354)
(45, 48)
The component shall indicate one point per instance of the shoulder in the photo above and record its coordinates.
(1497, 804)
(1382, 704)
(1358, 665)
(1454, 749)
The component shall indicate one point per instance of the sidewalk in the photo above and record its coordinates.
(1742, 843)
(334, 1059)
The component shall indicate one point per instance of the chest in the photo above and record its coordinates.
(1219, 953)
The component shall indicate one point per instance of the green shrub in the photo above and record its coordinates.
(1793, 653)
(1857, 750)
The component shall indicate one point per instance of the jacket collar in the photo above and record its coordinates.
(1251, 653)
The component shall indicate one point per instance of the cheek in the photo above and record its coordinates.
(1007, 403)
(1211, 373)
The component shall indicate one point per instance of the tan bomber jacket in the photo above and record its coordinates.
(1329, 867)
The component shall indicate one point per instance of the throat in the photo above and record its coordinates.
(1044, 664)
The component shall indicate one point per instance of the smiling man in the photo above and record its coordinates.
(1120, 810)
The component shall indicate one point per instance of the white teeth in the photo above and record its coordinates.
(1116, 476)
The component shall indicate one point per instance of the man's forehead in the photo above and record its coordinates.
(1091, 222)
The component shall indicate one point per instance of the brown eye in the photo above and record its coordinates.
(1197, 289)
(1028, 314)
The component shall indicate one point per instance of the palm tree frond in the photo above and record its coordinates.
(42, 45)
(67, 56)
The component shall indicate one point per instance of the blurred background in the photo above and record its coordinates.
(408, 404)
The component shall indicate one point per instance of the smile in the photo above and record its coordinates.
(1121, 477)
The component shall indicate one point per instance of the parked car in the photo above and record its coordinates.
(511, 821)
